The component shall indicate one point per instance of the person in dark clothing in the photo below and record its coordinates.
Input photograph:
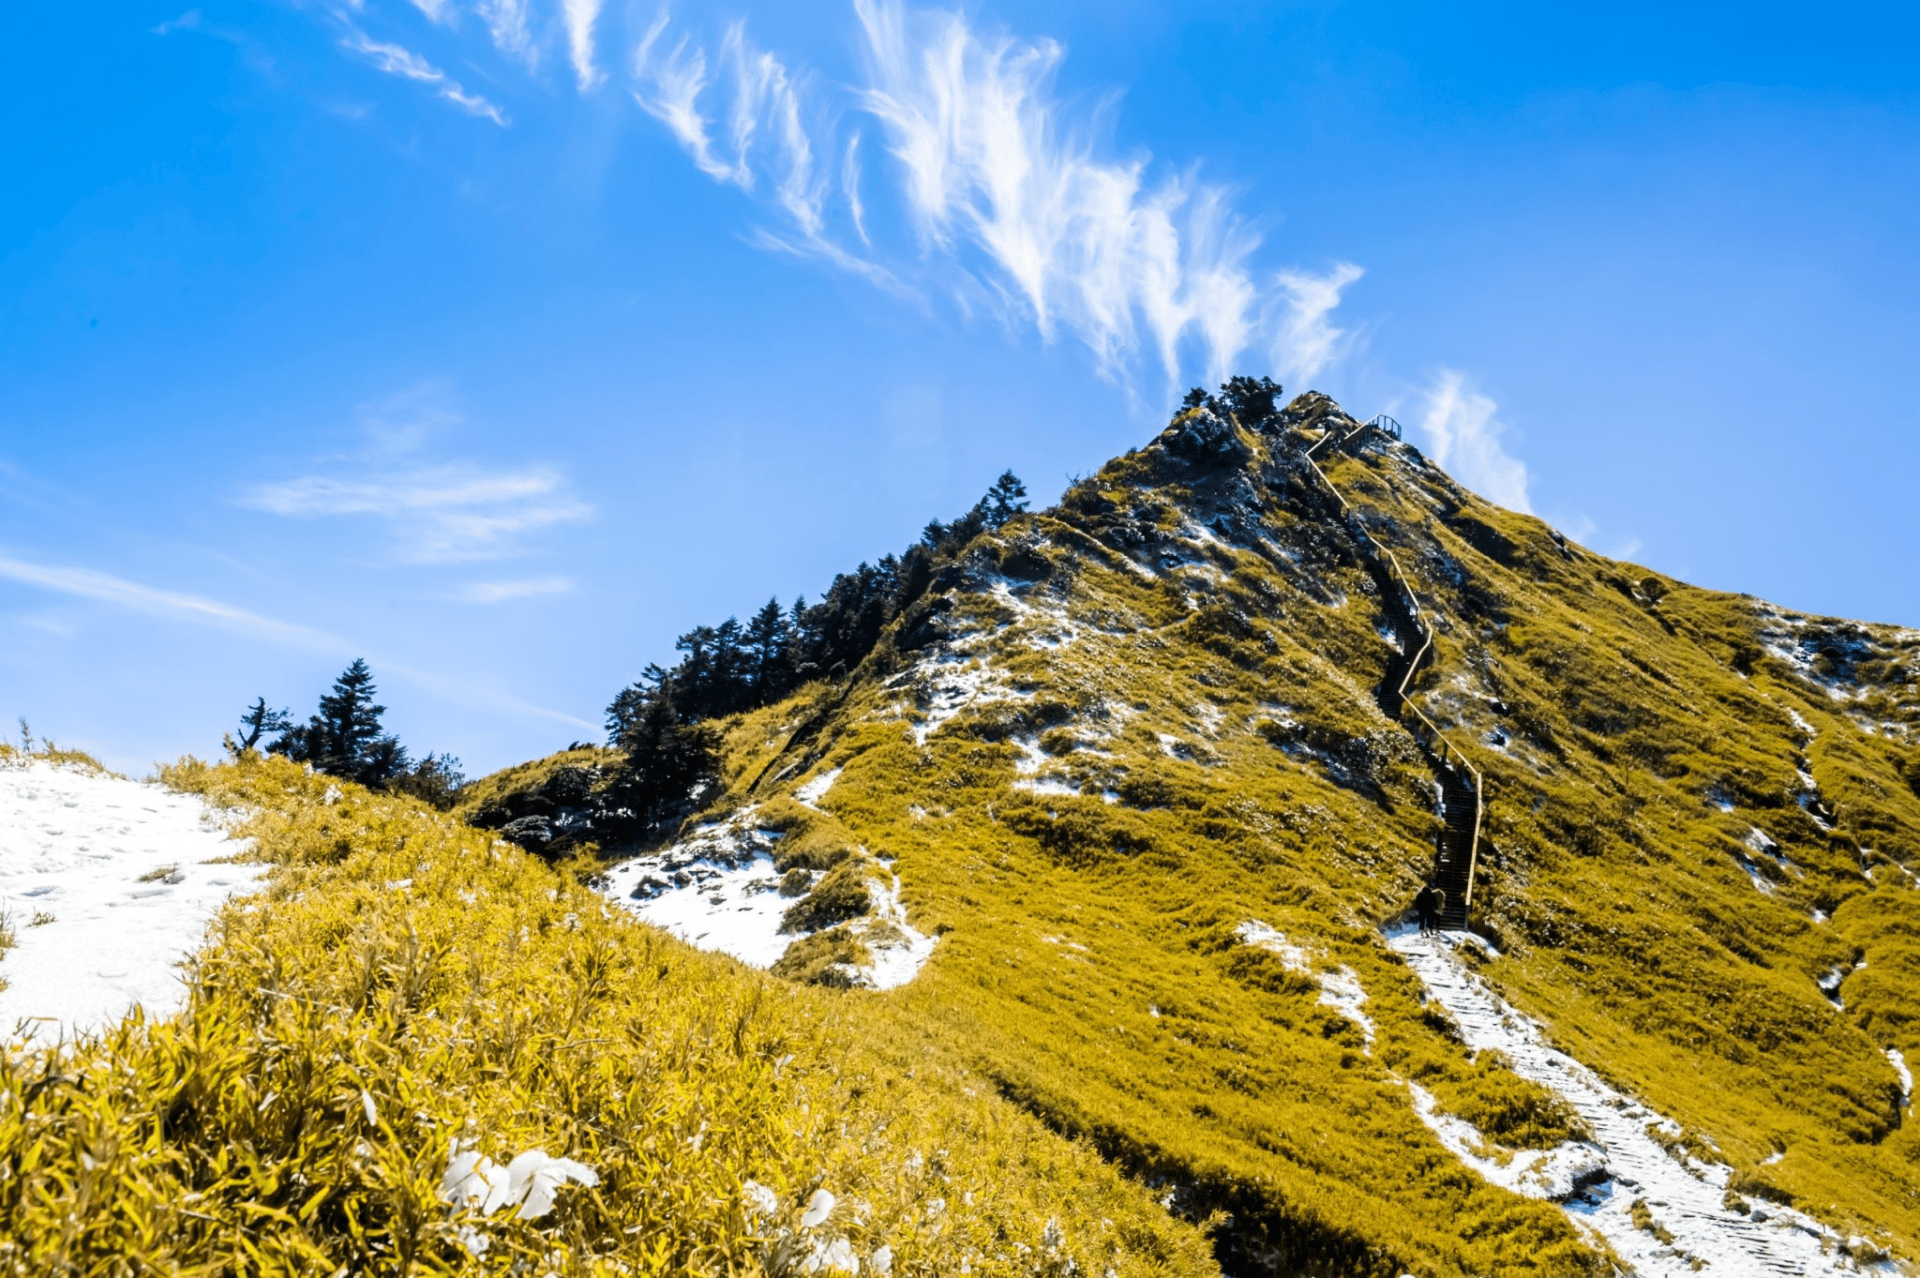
(1424, 908)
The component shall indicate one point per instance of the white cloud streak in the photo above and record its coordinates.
(87, 583)
(580, 16)
(1463, 435)
(507, 22)
(676, 80)
(989, 185)
(397, 60)
(1306, 342)
(993, 165)
(454, 513)
(493, 592)
(1003, 188)
(850, 188)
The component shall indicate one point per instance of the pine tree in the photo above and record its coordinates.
(732, 670)
(666, 758)
(435, 779)
(344, 739)
(349, 720)
(258, 722)
(767, 641)
(1007, 498)
(1251, 400)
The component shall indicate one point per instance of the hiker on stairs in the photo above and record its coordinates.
(1424, 911)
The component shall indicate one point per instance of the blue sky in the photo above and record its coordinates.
(501, 340)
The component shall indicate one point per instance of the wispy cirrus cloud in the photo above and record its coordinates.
(442, 511)
(951, 165)
(493, 592)
(88, 583)
(509, 22)
(173, 605)
(456, 512)
(670, 82)
(397, 60)
(1464, 435)
(1005, 193)
(1305, 340)
(580, 16)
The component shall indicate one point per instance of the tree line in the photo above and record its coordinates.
(660, 721)
(345, 738)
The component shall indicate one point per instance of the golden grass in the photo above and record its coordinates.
(406, 981)
(1217, 715)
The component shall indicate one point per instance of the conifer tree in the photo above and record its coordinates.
(257, 723)
(345, 739)
(659, 720)
(767, 642)
(1252, 400)
(1007, 498)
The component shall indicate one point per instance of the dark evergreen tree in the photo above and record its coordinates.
(435, 779)
(344, 739)
(1252, 400)
(732, 684)
(768, 639)
(666, 758)
(258, 723)
(659, 721)
(1195, 398)
(1007, 498)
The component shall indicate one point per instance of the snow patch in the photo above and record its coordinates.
(898, 950)
(1762, 842)
(107, 884)
(716, 889)
(810, 794)
(953, 682)
(1340, 988)
(1687, 1195)
(1558, 1173)
(1899, 1063)
(1029, 775)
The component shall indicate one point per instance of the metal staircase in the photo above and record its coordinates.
(1459, 838)
(1457, 856)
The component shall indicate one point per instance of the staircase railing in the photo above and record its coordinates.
(1448, 750)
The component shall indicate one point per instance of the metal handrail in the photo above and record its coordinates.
(1413, 668)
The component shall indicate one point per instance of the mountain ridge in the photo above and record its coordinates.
(1176, 674)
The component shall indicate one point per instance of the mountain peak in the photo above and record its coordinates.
(1132, 802)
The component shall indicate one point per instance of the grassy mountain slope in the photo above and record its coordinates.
(407, 982)
(1118, 730)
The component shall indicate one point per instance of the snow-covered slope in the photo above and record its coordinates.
(1626, 1169)
(107, 884)
(720, 889)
